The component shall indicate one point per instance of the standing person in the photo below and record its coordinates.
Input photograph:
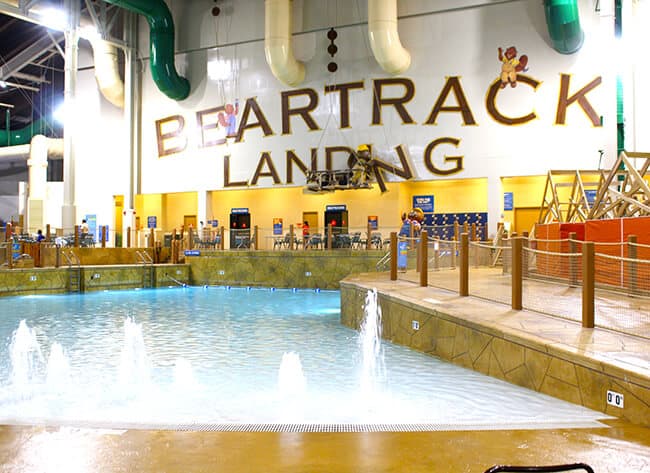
(84, 227)
(305, 232)
(39, 236)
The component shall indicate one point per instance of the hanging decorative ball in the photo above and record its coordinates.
(332, 34)
(216, 11)
(332, 67)
(332, 49)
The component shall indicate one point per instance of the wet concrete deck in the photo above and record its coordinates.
(621, 448)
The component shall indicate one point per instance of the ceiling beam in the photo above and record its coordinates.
(31, 77)
(29, 54)
(11, 10)
(21, 86)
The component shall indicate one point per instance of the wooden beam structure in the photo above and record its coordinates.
(625, 191)
(567, 195)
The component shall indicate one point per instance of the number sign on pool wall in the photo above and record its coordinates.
(424, 203)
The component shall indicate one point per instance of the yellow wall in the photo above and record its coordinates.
(288, 203)
(150, 205)
(175, 206)
(528, 191)
(450, 196)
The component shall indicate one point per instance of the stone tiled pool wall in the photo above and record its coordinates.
(304, 269)
(92, 278)
(521, 357)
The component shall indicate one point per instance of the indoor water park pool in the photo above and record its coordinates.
(214, 357)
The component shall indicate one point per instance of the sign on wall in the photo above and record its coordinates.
(508, 201)
(424, 203)
(373, 221)
(91, 220)
(277, 226)
(152, 221)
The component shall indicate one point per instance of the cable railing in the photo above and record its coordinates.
(594, 289)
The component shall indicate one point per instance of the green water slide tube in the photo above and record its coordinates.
(161, 38)
(24, 135)
(563, 22)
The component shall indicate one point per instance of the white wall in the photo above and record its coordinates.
(102, 159)
(462, 42)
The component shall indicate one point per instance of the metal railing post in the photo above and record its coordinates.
(424, 269)
(48, 233)
(588, 281)
(393, 256)
(255, 238)
(222, 234)
(517, 272)
(152, 238)
(76, 236)
(464, 265)
(104, 236)
(128, 237)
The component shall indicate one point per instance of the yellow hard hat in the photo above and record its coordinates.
(363, 148)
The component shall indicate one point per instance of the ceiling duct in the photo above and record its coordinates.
(384, 37)
(161, 48)
(563, 23)
(278, 21)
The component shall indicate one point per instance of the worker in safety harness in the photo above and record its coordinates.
(361, 166)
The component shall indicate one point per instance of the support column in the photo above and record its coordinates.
(131, 121)
(37, 189)
(69, 210)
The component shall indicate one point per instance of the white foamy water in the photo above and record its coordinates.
(215, 356)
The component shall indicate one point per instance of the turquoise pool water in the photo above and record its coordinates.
(214, 355)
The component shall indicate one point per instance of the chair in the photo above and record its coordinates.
(343, 240)
(278, 242)
(376, 241)
(315, 241)
(356, 241)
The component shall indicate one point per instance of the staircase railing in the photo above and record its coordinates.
(147, 268)
(74, 270)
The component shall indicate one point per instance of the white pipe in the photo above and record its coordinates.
(14, 153)
(107, 73)
(53, 147)
(277, 43)
(41, 147)
(384, 38)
